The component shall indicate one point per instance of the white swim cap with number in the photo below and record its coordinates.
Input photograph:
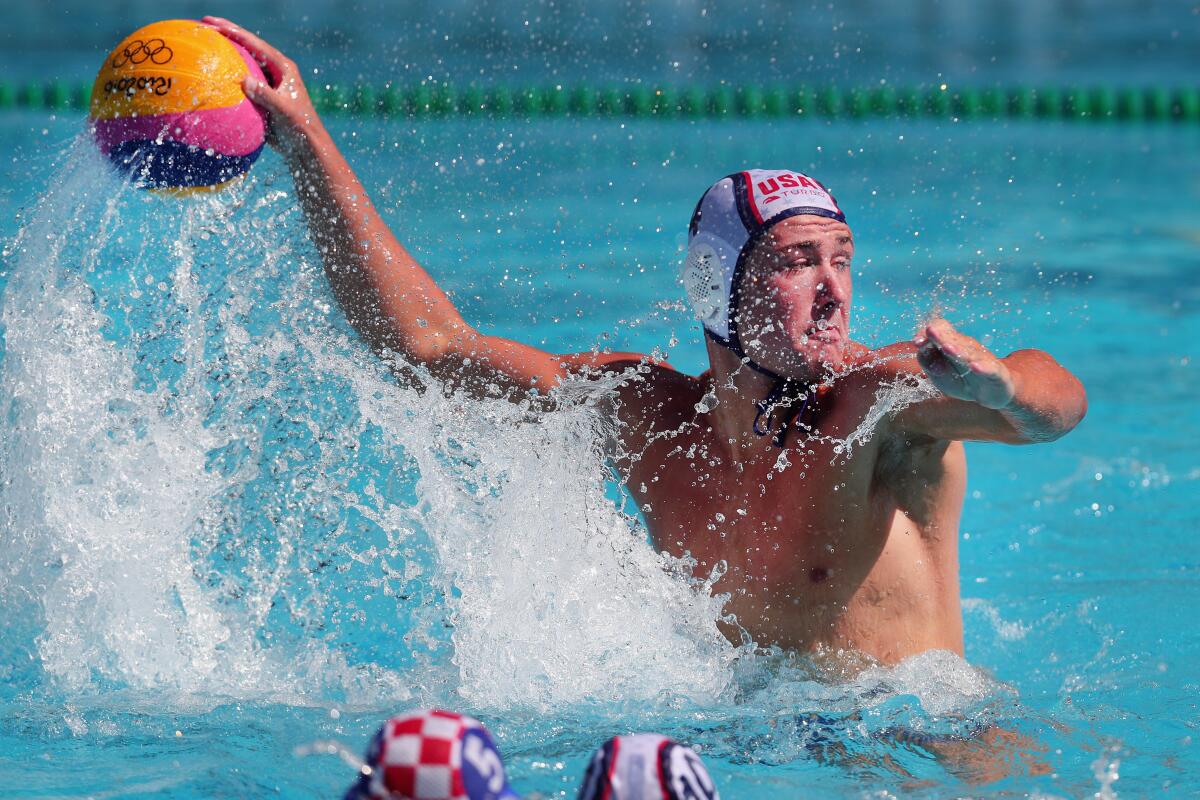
(733, 214)
(646, 766)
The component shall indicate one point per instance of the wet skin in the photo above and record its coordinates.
(826, 546)
(848, 550)
(853, 550)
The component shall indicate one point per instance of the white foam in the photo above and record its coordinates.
(554, 594)
(1006, 630)
(134, 557)
(103, 485)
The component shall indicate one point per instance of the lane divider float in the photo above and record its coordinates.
(725, 101)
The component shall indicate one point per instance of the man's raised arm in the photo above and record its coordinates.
(387, 296)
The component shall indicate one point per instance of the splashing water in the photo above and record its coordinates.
(1106, 770)
(212, 489)
(118, 478)
(212, 493)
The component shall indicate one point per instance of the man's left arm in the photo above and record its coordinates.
(1023, 398)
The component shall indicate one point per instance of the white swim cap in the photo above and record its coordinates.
(646, 767)
(733, 214)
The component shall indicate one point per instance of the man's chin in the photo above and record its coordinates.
(818, 358)
(808, 359)
(814, 362)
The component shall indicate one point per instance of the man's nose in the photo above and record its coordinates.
(830, 290)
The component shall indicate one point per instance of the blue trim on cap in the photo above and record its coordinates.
(664, 769)
(797, 211)
(741, 200)
(476, 783)
(596, 775)
(693, 789)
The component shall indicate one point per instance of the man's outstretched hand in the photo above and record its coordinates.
(291, 115)
(961, 367)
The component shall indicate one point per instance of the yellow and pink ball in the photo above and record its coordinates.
(168, 107)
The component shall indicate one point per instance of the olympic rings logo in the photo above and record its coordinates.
(137, 52)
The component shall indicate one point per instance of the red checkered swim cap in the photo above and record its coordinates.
(432, 755)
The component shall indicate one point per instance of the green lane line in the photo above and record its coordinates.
(1157, 104)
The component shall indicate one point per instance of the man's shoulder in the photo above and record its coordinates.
(654, 400)
(875, 376)
(656, 389)
(867, 370)
(883, 363)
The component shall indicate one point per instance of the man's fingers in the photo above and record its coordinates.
(945, 336)
(928, 360)
(260, 93)
(932, 349)
(961, 367)
(934, 359)
(961, 351)
(275, 62)
(937, 363)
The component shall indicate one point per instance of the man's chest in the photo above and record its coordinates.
(799, 503)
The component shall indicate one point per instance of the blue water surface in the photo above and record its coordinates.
(1080, 570)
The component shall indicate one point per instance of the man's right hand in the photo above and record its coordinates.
(291, 116)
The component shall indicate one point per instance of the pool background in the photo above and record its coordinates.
(1080, 570)
(858, 41)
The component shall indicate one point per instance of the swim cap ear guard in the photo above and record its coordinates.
(730, 218)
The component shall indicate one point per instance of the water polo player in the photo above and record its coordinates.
(838, 523)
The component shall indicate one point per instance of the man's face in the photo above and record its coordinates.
(793, 314)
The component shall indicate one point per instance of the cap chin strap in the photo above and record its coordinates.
(781, 389)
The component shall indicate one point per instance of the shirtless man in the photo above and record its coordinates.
(826, 547)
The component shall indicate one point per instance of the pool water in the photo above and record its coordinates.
(230, 532)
